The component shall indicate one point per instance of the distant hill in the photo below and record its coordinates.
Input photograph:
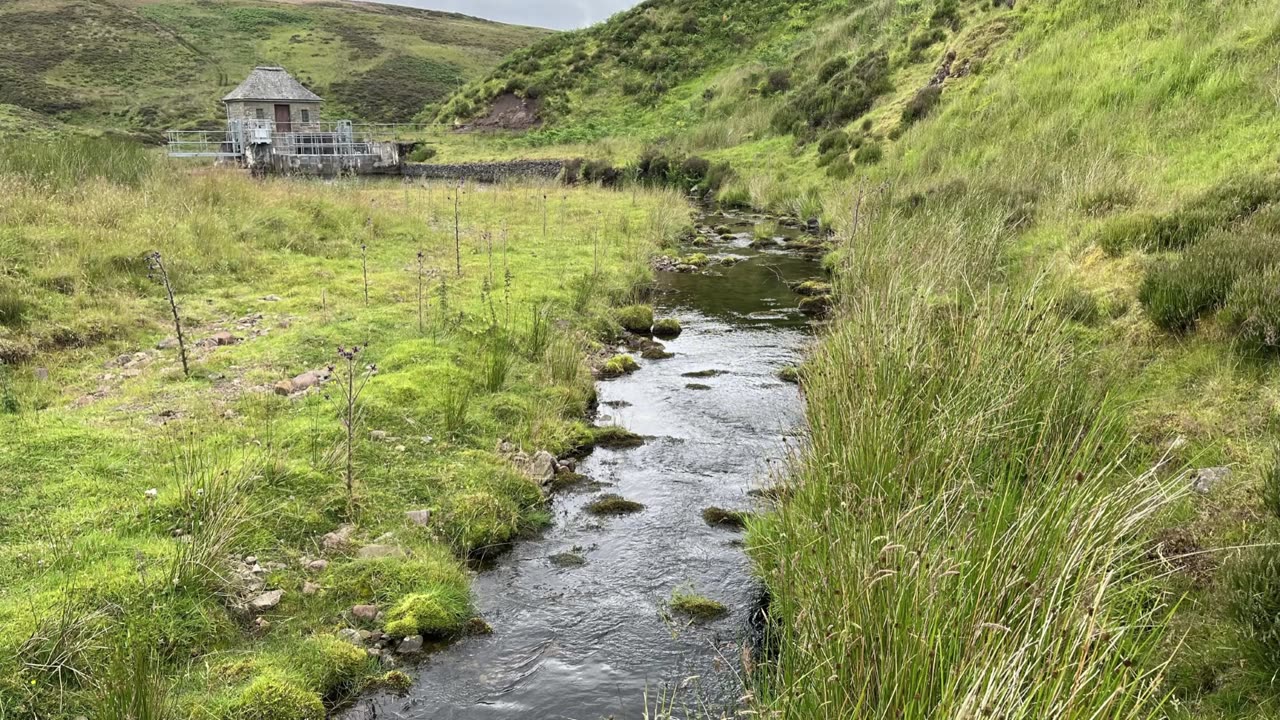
(144, 65)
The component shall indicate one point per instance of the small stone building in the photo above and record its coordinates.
(270, 93)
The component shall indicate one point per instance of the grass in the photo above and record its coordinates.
(91, 554)
(696, 606)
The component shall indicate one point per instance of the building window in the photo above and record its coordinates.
(306, 116)
(260, 114)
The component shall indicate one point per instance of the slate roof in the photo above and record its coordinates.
(268, 82)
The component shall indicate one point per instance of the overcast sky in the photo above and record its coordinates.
(558, 14)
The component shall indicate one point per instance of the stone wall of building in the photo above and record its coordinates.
(486, 171)
(249, 110)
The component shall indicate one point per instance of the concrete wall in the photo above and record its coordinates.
(383, 159)
(248, 110)
(486, 171)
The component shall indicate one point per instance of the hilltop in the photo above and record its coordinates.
(144, 65)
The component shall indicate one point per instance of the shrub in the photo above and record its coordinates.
(422, 153)
(331, 666)
(834, 141)
(777, 82)
(1176, 292)
(430, 614)
(635, 318)
(695, 169)
(1253, 309)
(600, 171)
(924, 40)
(1255, 605)
(921, 105)
(840, 168)
(869, 154)
(272, 697)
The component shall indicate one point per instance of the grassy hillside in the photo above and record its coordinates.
(152, 64)
(1056, 259)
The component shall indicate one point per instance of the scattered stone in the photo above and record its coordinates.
(316, 566)
(369, 552)
(223, 338)
(378, 435)
(310, 588)
(351, 635)
(284, 387)
(261, 624)
(410, 645)
(266, 601)
(250, 560)
(310, 379)
(338, 539)
(271, 298)
(1205, 479)
(541, 468)
(421, 518)
(367, 613)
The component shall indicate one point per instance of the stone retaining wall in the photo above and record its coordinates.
(486, 171)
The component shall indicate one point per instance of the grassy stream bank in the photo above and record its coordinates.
(149, 517)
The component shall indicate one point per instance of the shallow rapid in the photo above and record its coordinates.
(598, 640)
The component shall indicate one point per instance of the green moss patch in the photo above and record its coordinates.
(667, 328)
(720, 517)
(696, 606)
(635, 318)
(612, 505)
(619, 365)
(430, 614)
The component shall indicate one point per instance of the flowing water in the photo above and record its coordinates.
(597, 640)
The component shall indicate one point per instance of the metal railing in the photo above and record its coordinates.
(340, 137)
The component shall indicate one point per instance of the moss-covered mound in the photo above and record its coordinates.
(635, 318)
(697, 606)
(667, 328)
(619, 365)
(612, 504)
(430, 614)
(725, 518)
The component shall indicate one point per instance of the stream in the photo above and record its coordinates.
(598, 640)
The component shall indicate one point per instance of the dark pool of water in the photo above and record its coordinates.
(597, 641)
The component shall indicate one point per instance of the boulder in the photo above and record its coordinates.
(266, 601)
(541, 468)
(367, 613)
(421, 518)
(338, 539)
(410, 645)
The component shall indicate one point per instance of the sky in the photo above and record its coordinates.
(557, 14)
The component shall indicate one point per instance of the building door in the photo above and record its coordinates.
(282, 119)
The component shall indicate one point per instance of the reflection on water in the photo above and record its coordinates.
(595, 641)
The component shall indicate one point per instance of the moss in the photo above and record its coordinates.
(619, 365)
(703, 373)
(383, 581)
(272, 697)
(396, 681)
(567, 481)
(616, 437)
(612, 504)
(696, 606)
(635, 318)
(696, 386)
(812, 288)
(330, 666)
(667, 328)
(725, 518)
(430, 614)
(696, 259)
(567, 560)
(816, 306)
(790, 374)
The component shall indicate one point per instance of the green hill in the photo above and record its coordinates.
(150, 64)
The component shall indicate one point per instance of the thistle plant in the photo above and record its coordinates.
(160, 273)
(364, 266)
(351, 386)
(457, 229)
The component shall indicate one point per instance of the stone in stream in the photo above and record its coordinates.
(351, 635)
(410, 645)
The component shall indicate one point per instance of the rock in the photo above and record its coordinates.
(246, 582)
(316, 566)
(367, 613)
(421, 518)
(310, 588)
(284, 387)
(223, 338)
(351, 635)
(309, 379)
(540, 468)
(410, 645)
(1205, 479)
(506, 449)
(338, 539)
(266, 601)
(167, 344)
(257, 569)
(250, 560)
(151, 494)
(369, 552)
(271, 298)
(378, 435)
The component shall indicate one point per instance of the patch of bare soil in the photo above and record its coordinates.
(509, 112)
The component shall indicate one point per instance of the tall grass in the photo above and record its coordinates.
(66, 162)
(963, 538)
